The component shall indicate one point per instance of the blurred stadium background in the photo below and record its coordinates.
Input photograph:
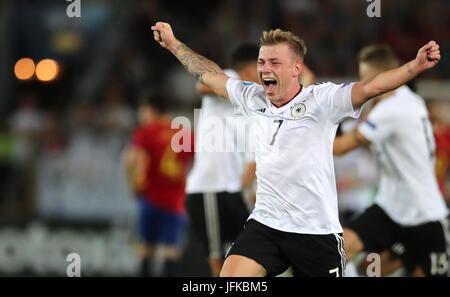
(65, 121)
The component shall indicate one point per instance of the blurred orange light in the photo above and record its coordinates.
(47, 70)
(24, 68)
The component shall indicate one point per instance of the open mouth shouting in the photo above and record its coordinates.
(269, 85)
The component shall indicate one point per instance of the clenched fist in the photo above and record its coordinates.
(428, 56)
(162, 33)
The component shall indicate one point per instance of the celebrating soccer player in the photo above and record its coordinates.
(408, 209)
(295, 220)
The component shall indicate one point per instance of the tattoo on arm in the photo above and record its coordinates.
(196, 64)
(410, 71)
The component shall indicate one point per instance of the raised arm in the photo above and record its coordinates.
(206, 71)
(427, 57)
(203, 90)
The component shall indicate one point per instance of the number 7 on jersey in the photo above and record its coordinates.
(276, 132)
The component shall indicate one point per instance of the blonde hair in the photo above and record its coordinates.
(379, 56)
(277, 36)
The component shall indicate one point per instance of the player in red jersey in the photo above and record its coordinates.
(157, 175)
(441, 130)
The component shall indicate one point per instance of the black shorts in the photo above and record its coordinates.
(217, 219)
(276, 251)
(424, 245)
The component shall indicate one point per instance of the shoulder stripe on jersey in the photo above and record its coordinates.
(371, 125)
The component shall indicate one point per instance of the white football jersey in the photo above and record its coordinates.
(402, 138)
(356, 174)
(296, 189)
(218, 165)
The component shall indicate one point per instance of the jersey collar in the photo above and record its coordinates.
(278, 110)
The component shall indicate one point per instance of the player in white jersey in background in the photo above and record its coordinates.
(295, 220)
(215, 201)
(409, 207)
(356, 178)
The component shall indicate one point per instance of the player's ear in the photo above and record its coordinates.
(298, 67)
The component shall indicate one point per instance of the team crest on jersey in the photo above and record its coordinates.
(298, 110)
